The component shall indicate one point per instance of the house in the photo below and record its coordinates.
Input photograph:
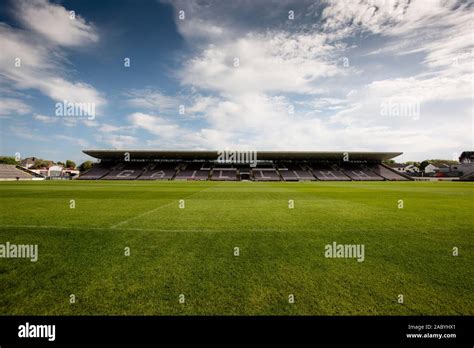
(404, 168)
(434, 168)
(28, 162)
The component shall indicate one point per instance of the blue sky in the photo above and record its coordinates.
(259, 75)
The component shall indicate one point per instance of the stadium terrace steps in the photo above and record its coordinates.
(467, 177)
(294, 173)
(360, 173)
(193, 171)
(224, 174)
(156, 171)
(192, 174)
(328, 173)
(128, 171)
(96, 173)
(265, 174)
(386, 173)
(207, 171)
(157, 174)
(11, 172)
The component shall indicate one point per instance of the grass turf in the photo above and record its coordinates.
(190, 251)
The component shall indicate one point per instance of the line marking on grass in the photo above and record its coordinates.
(155, 209)
(139, 229)
(102, 228)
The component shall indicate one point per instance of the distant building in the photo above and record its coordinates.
(28, 162)
(434, 168)
(405, 168)
(462, 169)
(56, 172)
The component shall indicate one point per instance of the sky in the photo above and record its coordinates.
(246, 75)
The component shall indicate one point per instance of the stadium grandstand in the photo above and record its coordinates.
(269, 166)
(14, 172)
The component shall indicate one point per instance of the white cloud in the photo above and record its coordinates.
(45, 119)
(74, 140)
(55, 23)
(41, 61)
(118, 141)
(155, 125)
(151, 99)
(440, 28)
(13, 106)
(109, 128)
(250, 106)
(201, 104)
(270, 62)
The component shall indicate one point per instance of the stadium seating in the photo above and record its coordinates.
(386, 173)
(11, 172)
(192, 171)
(202, 170)
(264, 174)
(97, 172)
(294, 173)
(126, 171)
(224, 174)
(359, 172)
(328, 173)
(190, 174)
(159, 171)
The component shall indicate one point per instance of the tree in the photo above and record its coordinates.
(389, 161)
(41, 164)
(8, 160)
(85, 166)
(70, 164)
(416, 164)
(423, 165)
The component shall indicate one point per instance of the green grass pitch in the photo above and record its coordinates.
(190, 251)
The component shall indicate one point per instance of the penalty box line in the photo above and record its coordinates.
(155, 209)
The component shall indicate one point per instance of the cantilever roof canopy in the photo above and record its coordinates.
(261, 155)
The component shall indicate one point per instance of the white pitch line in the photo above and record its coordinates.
(155, 209)
(141, 215)
(101, 228)
(138, 229)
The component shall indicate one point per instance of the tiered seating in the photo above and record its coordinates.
(159, 171)
(97, 172)
(385, 172)
(467, 177)
(294, 173)
(201, 174)
(192, 171)
(329, 173)
(11, 172)
(166, 170)
(126, 171)
(224, 174)
(264, 174)
(360, 173)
